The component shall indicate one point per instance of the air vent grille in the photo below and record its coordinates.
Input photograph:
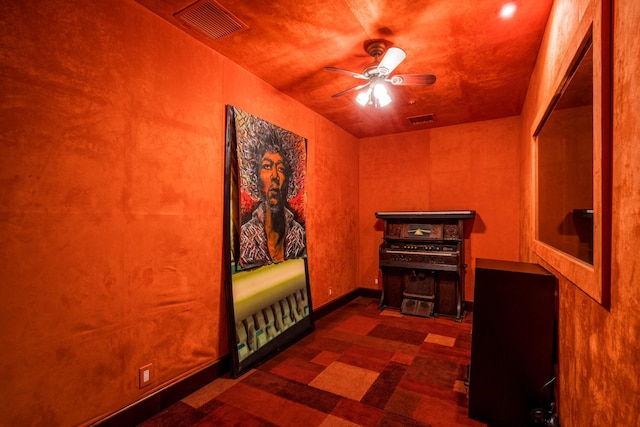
(210, 19)
(423, 119)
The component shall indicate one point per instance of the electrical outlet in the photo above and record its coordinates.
(145, 375)
(375, 280)
(330, 291)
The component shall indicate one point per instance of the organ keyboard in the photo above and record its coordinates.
(422, 262)
(435, 257)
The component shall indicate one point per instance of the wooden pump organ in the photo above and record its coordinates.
(422, 262)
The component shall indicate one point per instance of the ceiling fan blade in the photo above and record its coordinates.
(412, 79)
(391, 60)
(347, 72)
(362, 86)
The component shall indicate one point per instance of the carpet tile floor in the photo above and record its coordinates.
(360, 367)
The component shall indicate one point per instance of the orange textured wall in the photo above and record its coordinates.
(394, 176)
(471, 166)
(111, 169)
(599, 383)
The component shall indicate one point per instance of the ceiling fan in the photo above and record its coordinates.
(375, 91)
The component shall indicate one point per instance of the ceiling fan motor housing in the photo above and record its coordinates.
(375, 48)
(371, 71)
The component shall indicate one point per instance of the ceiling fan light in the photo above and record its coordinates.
(380, 90)
(363, 98)
(381, 94)
(383, 100)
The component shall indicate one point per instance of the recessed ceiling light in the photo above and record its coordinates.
(508, 10)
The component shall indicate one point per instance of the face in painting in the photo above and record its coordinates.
(272, 178)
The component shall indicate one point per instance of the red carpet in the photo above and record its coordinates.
(361, 367)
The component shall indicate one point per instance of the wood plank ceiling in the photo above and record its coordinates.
(483, 63)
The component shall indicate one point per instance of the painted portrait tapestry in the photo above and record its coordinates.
(268, 295)
(272, 169)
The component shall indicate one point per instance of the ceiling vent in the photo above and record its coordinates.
(423, 119)
(210, 19)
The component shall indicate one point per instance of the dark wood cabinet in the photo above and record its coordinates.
(422, 262)
(512, 341)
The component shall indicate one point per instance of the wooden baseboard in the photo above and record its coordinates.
(320, 312)
(369, 293)
(468, 306)
(147, 407)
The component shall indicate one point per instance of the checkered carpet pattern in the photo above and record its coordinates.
(360, 367)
